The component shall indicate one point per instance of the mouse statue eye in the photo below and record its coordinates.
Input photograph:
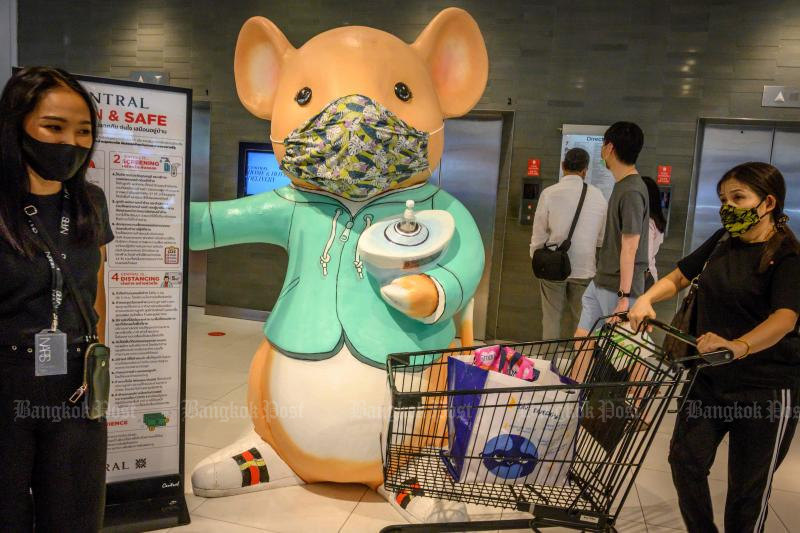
(402, 91)
(303, 96)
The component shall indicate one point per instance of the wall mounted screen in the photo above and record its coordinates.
(259, 170)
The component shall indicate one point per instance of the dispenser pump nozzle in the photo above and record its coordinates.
(409, 223)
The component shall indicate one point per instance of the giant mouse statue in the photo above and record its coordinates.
(357, 124)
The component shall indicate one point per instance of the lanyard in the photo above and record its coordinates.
(57, 278)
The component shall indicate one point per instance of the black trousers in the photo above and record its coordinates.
(760, 424)
(53, 459)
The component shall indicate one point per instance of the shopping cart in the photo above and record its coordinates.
(624, 385)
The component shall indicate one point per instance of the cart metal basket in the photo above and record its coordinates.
(624, 383)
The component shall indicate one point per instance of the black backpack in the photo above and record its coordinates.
(552, 263)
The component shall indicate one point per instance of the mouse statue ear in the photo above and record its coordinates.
(453, 48)
(261, 52)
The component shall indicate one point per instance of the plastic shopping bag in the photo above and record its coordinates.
(513, 438)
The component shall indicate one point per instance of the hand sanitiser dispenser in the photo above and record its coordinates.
(406, 245)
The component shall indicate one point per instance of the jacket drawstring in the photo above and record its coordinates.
(357, 262)
(326, 258)
(346, 232)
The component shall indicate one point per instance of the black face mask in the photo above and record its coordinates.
(52, 161)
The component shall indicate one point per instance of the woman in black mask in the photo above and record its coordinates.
(53, 456)
(747, 302)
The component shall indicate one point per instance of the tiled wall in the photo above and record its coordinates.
(662, 64)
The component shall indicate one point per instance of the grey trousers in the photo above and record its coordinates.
(561, 307)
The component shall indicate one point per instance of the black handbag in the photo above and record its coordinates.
(552, 263)
(685, 319)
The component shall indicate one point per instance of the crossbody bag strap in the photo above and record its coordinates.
(70, 282)
(717, 246)
(568, 242)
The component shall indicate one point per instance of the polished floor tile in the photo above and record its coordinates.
(319, 508)
(213, 383)
(237, 396)
(371, 514)
(201, 524)
(218, 424)
(783, 509)
(622, 526)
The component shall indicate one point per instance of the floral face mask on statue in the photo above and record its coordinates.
(355, 148)
(738, 220)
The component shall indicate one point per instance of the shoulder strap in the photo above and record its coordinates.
(70, 282)
(717, 246)
(568, 242)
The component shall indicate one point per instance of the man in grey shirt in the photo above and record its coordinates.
(623, 256)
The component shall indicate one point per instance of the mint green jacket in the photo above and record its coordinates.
(328, 299)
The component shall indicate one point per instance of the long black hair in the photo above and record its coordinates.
(20, 96)
(765, 179)
(654, 195)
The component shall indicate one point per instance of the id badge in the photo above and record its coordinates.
(51, 353)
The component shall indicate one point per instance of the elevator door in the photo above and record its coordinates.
(726, 145)
(786, 156)
(723, 146)
(470, 170)
(201, 143)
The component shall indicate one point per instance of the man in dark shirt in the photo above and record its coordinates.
(623, 256)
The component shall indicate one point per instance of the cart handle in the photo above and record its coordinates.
(667, 328)
(670, 330)
(713, 358)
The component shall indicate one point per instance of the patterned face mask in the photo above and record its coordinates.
(355, 148)
(738, 220)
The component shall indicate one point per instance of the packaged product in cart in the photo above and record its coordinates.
(524, 437)
(506, 361)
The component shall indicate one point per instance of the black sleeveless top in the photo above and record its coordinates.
(25, 284)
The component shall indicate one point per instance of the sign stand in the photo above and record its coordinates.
(141, 160)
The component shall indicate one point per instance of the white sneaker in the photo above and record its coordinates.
(416, 508)
(248, 465)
